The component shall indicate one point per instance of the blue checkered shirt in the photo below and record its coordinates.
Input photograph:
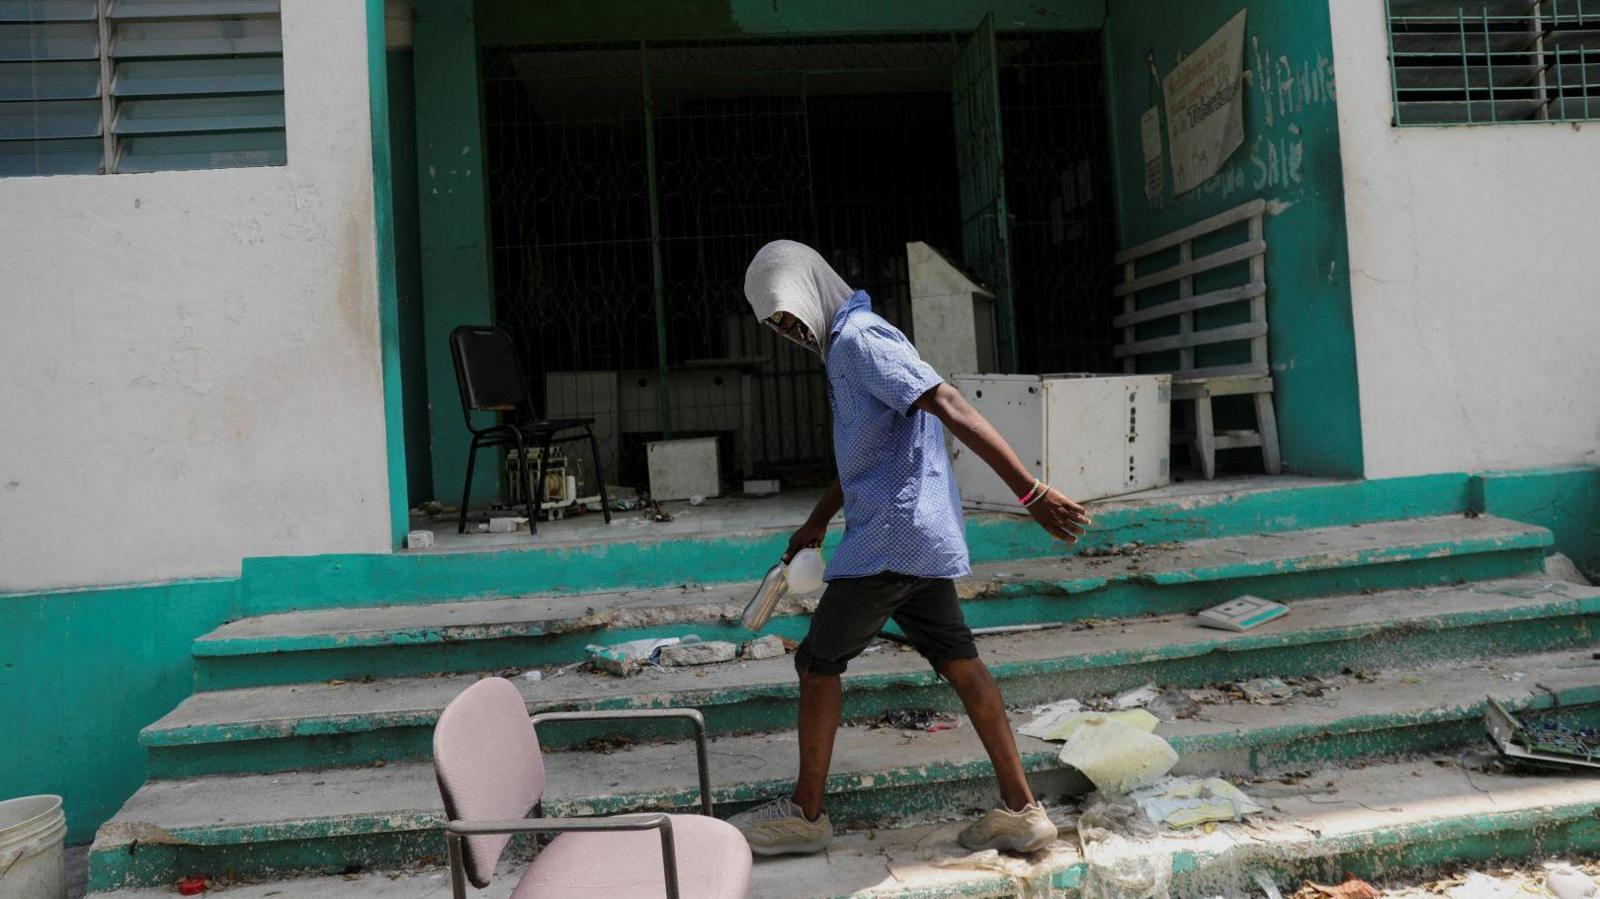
(902, 512)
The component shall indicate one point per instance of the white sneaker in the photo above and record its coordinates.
(1026, 831)
(780, 828)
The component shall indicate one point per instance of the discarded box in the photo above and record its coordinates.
(419, 539)
(680, 469)
(502, 525)
(1242, 614)
(1091, 436)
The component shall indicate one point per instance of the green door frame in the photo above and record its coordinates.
(388, 293)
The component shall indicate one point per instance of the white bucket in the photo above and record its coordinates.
(33, 864)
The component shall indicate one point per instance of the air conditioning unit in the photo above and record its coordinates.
(1091, 436)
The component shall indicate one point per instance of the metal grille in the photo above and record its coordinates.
(1058, 189)
(630, 185)
(1498, 61)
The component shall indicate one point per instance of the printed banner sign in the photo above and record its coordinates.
(1205, 107)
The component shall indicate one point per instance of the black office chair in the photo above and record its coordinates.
(490, 379)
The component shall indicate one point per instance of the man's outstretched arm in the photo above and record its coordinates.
(1062, 517)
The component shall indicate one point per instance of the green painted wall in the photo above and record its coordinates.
(1565, 500)
(516, 21)
(1290, 157)
(81, 673)
(388, 305)
(408, 273)
(454, 247)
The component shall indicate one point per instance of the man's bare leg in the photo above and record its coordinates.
(820, 701)
(987, 711)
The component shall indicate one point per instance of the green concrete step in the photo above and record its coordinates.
(629, 558)
(397, 641)
(1382, 822)
(278, 728)
(389, 816)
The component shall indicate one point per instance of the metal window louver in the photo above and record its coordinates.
(100, 86)
(1479, 63)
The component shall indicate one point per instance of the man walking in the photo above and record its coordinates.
(903, 544)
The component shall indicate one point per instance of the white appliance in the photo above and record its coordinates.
(681, 469)
(1091, 436)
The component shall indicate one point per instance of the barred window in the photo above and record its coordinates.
(105, 86)
(1492, 61)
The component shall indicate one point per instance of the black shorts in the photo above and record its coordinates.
(853, 610)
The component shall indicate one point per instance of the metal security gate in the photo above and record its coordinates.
(985, 222)
(630, 186)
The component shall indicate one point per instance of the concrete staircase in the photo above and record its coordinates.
(305, 747)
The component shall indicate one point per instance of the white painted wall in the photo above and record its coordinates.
(1475, 278)
(189, 361)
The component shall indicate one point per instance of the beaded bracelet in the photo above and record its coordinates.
(1032, 494)
(1041, 495)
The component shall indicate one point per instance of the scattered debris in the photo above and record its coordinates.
(1136, 698)
(1560, 567)
(1566, 882)
(1173, 704)
(191, 886)
(1180, 802)
(917, 720)
(502, 525)
(1122, 861)
(658, 514)
(697, 500)
(768, 647)
(1542, 743)
(1353, 888)
(682, 655)
(1481, 886)
(1016, 628)
(1242, 614)
(1267, 690)
(1048, 717)
(1268, 886)
(624, 659)
(761, 487)
(1116, 756)
(419, 539)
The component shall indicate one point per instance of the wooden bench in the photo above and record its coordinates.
(1150, 267)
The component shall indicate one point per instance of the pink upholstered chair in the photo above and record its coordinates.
(491, 775)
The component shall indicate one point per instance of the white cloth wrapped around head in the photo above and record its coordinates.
(788, 276)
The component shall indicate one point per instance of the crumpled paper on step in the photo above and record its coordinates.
(1122, 858)
(1118, 757)
(1180, 802)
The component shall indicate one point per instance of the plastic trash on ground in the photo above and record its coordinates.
(1566, 882)
(1179, 802)
(1117, 757)
(1122, 860)
(1482, 886)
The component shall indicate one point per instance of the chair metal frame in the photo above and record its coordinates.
(658, 821)
(533, 430)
